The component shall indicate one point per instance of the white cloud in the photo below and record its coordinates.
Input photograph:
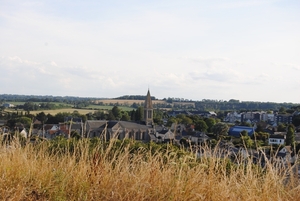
(244, 3)
(288, 65)
(107, 50)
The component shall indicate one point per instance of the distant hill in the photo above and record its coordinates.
(41, 98)
(134, 97)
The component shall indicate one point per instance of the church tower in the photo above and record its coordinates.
(148, 110)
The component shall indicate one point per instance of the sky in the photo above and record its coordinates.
(247, 50)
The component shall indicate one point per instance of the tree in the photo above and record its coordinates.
(75, 134)
(11, 123)
(290, 135)
(25, 121)
(296, 120)
(30, 106)
(132, 115)
(60, 117)
(220, 129)
(263, 136)
(99, 115)
(83, 117)
(247, 141)
(210, 122)
(171, 120)
(186, 121)
(116, 112)
(134, 105)
(281, 127)
(111, 116)
(183, 119)
(282, 110)
(42, 117)
(157, 116)
(125, 116)
(139, 114)
(245, 124)
(260, 127)
(200, 125)
(244, 133)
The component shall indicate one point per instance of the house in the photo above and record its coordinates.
(276, 139)
(36, 132)
(297, 137)
(51, 131)
(236, 130)
(197, 138)
(178, 129)
(8, 105)
(232, 117)
(165, 135)
(257, 117)
(24, 133)
(37, 122)
(286, 155)
(284, 118)
(193, 112)
(77, 127)
(48, 131)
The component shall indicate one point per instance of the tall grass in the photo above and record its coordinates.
(92, 170)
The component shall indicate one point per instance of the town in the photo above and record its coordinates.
(268, 130)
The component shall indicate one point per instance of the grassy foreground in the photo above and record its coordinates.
(91, 170)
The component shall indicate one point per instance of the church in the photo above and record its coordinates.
(106, 130)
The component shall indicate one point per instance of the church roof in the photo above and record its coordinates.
(148, 101)
(94, 124)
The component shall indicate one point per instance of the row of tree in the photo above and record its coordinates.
(36, 98)
(244, 105)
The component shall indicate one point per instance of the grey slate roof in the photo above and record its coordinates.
(277, 136)
(94, 124)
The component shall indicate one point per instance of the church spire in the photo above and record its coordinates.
(148, 101)
(148, 110)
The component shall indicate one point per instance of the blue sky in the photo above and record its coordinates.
(246, 50)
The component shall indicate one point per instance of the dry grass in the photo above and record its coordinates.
(31, 173)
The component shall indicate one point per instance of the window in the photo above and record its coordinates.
(149, 114)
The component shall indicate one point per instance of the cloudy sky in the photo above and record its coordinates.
(235, 49)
